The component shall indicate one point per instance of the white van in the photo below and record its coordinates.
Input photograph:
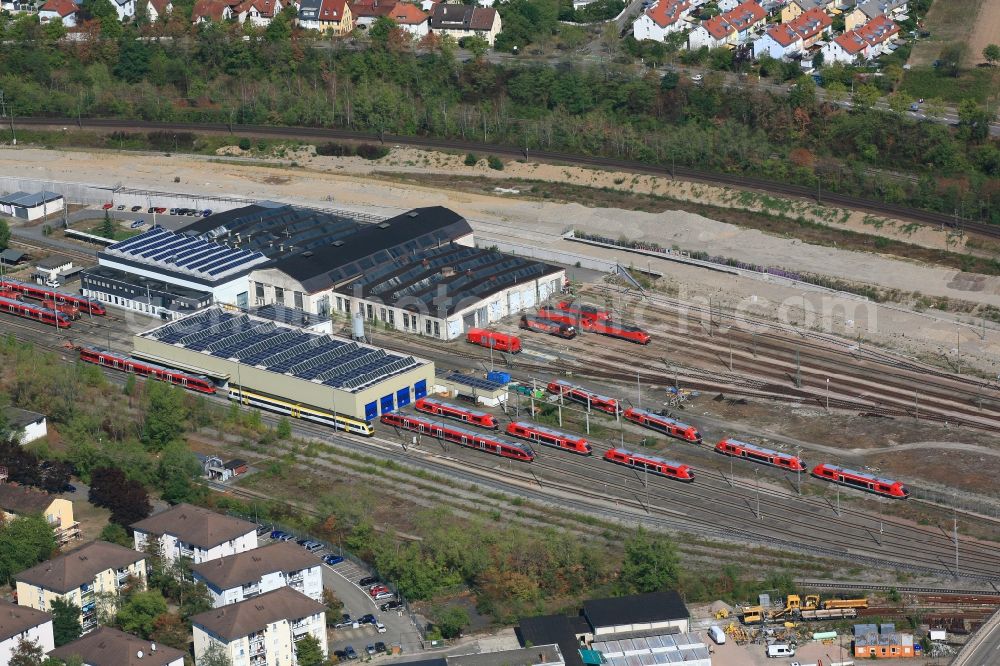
(717, 634)
(780, 650)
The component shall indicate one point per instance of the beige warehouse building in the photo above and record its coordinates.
(289, 364)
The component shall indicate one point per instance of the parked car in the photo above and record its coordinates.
(380, 646)
(206, 212)
(367, 619)
(312, 546)
(391, 605)
(263, 529)
(380, 628)
(377, 589)
(108, 206)
(370, 650)
(368, 580)
(136, 224)
(697, 78)
(121, 207)
(384, 595)
(349, 651)
(173, 211)
(161, 210)
(345, 621)
(69, 488)
(150, 210)
(332, 559)
(136, 209)
(278, 535)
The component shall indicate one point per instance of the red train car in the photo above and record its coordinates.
(12, 295)
(541, 325)
(614, 330)
(115, 361)
(585, 397)
(584, 311)
(457, 412)
(473, 440)
(558, 316)
(758, 454)
(68, 309)
(652, 464)
(664, 424)
(550, 437)
(86, 305)
(861, 481)
(494, 340)
(35, 312)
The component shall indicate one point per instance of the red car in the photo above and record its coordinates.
(108, 206)
(377, 590)
(161, 210)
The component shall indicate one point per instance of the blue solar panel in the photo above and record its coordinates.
(198, 254)
(172, 251)
(227, 266)
(138, 240)
(208, 259)
(166, 245)
(229, 258)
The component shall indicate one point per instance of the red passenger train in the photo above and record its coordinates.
(448, 410)
(585, 397)
(86, 305)
(68, 309)
(861, 480)
(449, 433)
(541, 325)
(35, 312)
(107, 359)
(614, 330)
(652, 464)
(758, 454)
(550, 437)
(558, 316)
(585, 311)
(664, 424)
(494, 340)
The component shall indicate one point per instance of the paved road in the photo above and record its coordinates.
(986, 651)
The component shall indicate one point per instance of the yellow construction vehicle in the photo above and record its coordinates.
(845, 603)
(722, 614)
(753, 614)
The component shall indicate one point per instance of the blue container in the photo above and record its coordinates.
(498, 377)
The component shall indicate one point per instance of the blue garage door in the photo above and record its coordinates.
(420, 389)
(387, 404)
(403, 397)
(371, 411)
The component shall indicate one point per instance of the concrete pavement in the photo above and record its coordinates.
(984, 648)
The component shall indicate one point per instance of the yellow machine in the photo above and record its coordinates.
(722, 614)
(845, 603)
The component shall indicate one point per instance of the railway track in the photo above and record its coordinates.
(741, 182)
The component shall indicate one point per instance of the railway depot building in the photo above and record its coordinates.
(270, 360)
(418, 272)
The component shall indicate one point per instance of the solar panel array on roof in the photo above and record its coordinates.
(653, 649)
(475, 382)
(304, 354)
(185, 253)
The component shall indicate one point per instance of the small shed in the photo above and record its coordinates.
(235, 467)
(31, 425)
(31, 206)
(51, 266)
(11, 257)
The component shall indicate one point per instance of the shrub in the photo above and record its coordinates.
(245, 144)
(471, 159)
(372, 152)
(495, 162)
(335, 150)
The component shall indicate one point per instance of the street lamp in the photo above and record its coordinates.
(756, 477)
(827, 394)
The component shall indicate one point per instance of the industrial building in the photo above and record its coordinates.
(418, 272)
(142, 294)
(298, 366)
(31, 206)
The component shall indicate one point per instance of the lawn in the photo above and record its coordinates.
(977, 84)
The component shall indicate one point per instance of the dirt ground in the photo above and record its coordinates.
(985, 31)
(949, 22)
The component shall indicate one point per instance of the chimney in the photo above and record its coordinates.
(152, 647)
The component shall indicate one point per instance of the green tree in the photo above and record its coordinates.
(284, 428)
(973, 121)
(138, 614)
(115, 533)
(27, 653)
(176, 473)
(171, 630)
(450, 621)
(129, 388)
(476, 45)
(900, 102)
(213, 656)
(194, 598)
(108, 226)
(992, 54)
(651, 563)
(935, 107)
(803, 94)
(66, 626)
(165, 415)
(381, 30)
(865, 97)
(309, 652)
(105, 14)
(24, 542)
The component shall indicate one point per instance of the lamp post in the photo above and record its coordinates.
(756, 477)
(827, 394)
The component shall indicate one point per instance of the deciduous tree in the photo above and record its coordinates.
(651, 563)
(171, 630)
(138, 614)
(24, 542)
(66, 626)
(165, 415)
(308, 652)
(992, 54)
(27, 653)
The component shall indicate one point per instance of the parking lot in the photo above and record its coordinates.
(342, 579)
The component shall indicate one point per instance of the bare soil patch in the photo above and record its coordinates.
(985, 31)
(950, 21)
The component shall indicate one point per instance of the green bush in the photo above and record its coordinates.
(245, 144)
(335, 150)
(495, 162)
(372, 152)
(471, 159)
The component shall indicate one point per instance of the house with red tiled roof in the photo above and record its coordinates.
(211, 10)
(258, 12)
(663, 18)
(366, 12)
(732, 27)
(332, 16)
(461, 21)
(158, 8)
(411, 18)
(59, 9)
(786, 39)
(869, 41)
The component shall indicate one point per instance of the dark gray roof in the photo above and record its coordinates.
(242, 568)
(11, 256)
(462, 17)
(79, 566)
(287, 315)
(20, 418)
(636, 608)
(109, 647)
(526, 656)
(29, 200)
(16, 619)
(558, 629)
(143, 283)
(53, 261)
(241, 619)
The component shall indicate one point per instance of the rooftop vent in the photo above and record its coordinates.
(307, 253)
(412, 213)
(384, 225)
(337, 243)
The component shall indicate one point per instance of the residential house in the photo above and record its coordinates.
(366, 12)
(31, 425)
(727, 5)
(18, 500)
(466, 21)
(238, 577)
(787, 39)
(59, 9)
(796, 8)
(156, 9)
(411, 18)
(17, 622)
(125, 9)
(109, 647)
(333, 16)
(732, 27)
(261, 630)
(260, 13)
(866, 11)
(186, 531)
(82, 576)
(211, 10)
(663, 18)
(869, 41)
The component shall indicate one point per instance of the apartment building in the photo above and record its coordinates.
(17, 622)
(82, 576)
(109, 647)
(200, 535)
(239, 577)
(18, 500)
